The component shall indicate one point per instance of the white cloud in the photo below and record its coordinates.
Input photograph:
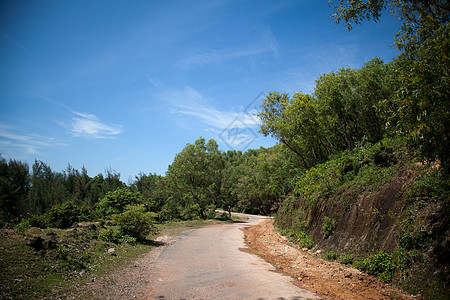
(16, 143)
(88, 125)
(236, 129)
(266, 43)
(191, 103)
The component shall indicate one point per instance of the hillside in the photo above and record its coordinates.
(380, 209)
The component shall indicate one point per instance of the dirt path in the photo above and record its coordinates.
(213, 263)
(207, 263)
(330, 280)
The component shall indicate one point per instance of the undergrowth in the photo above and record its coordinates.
(418, 263)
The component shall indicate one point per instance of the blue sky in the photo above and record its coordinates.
(127, 84)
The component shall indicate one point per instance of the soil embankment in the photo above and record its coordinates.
(331, 280)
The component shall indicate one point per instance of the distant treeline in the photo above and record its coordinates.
(200, 179)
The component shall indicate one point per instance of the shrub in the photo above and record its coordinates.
(301, 237)
(135, 221)
(332, 255)
(210, 212)
(379, 264)
(116, 201)
(116, 236)
(111, 235)
(346, 259)
(63, 215)
(72, 258)
(328, 226)
(23, 225)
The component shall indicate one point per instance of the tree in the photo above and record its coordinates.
(194, 177)
(116, 201)
(152, 190)
(47, 189)
(343, 110)
(14, 184)
(420, 110)
(348, 103)
(230, 177)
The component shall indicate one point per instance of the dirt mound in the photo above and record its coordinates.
(331, 280)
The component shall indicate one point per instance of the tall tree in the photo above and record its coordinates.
(421, 106)
(343, 110)
(14, 184)
(47, 188)
(195, 175)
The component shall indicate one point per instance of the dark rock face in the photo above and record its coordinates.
(37, 243)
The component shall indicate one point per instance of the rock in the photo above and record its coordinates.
(37, 243)
(91, 227)
(348, 275)
(51, 242)
(318, 251)
(83, 272)
(305, 249)
(111, 251)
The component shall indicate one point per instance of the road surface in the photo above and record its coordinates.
(211, 263)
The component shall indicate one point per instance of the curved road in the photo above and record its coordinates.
(210, 263)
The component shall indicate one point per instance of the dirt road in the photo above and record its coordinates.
(214, 263)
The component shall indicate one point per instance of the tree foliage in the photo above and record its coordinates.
(115, 201)
(420, 108)
(343, 110)
(195, 176)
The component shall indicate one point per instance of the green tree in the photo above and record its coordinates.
(14, 184)
(136, 221)
(47, 189)
(420, 110)
(194, 178)
(152, 190)
(343, 110)
(262, 178)
(116, 201)
(348, 102)
(230, 178)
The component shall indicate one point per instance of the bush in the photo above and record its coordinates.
(63, 215)
(328, 227)
(346, 259)
(23, 225)
(332, 255)
(111, 235)
(72, 258)
(116, 201)
(136, 222)
(301, 237)
(116, 236)
(380, 264)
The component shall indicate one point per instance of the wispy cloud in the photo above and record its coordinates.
(189, 102)
(13, 142)
(237, 129)
(153, 81)
(267, 43)
(84, 124)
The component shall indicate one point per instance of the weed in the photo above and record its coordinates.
(328, 227)
(301, 237)
(380, 264)
(346, 259)
(332, 255)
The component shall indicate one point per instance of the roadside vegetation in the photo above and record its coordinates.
(361, 171)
